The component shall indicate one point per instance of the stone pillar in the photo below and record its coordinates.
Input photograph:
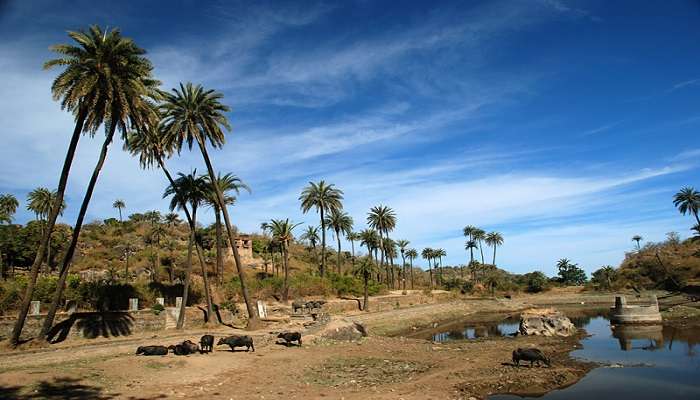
(160, 300)
(35, 308)
(620, 302)
(133, 304)
(73, 307)
(178, 302)
(262, 309)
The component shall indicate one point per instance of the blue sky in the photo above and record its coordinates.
(565, 125)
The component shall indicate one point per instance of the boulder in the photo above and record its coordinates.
(342, 329)
(545, 322)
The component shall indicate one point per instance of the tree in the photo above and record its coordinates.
(570, 273)
(428, 254)
(369, 239)
(40, 201)
(226, 183)
(412, 254)
(8, 207)
(189, 190)
(172, 219)
(352, 237)
(494, 239)
(119, 205)
(469, 231)
(637, 238)
(390, 251)
(471, 245)
(536, 281)
(365, 268)
(311, 236)
(687, 200)
(383, 220)
(341, 223)
(403, 244)
(107, 80)
(193, 114)
(478, 236)
(604, 277)
(282, 233)
(324, 198)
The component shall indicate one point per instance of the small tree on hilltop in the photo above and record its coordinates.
(570, 273)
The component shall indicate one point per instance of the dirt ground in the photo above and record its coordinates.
(374, 367)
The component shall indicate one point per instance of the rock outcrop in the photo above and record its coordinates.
(341, 329)
(545, 322)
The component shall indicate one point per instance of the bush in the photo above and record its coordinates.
(463, 286)
(536, 282)
(157, 308)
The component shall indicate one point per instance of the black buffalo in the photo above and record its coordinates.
(152, 350)
(185, 348)
(237, 341)
(531, 355)
(290, 337)
(298, 305)
(207, 343)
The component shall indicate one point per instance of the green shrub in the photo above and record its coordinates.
(536, 282)
(157, 308)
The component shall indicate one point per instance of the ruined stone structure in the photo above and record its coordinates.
(623, 313)
(244, 245)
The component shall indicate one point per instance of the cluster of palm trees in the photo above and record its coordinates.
(107, 81)
(434, 258)
(476, 237)
(687, 200)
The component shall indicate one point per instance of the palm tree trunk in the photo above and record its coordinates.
(494, 255)
(253, 321)
(323, 244)
(403, 266)
(186, 285)
(430, 270)
(383, 264)
(365, 306)
(481, 249)
(34, 272)
(337, 236)
(411, 273)
(68, 258)
(207, 291)
(120, 214)
(285, 295)
(219, 250)
(352, 246)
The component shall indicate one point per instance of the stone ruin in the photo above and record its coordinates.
(545, 322)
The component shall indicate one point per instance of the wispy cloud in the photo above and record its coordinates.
(600, 129)
(684, 84)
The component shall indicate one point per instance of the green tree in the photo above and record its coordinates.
(403, 244)
(570, 273)
(226, 183)
(40, 201)
(8, 208)
(383, 220)
(365, 268)
(189, 190)
(282, 232)
(536, 281)
(193, 114)
(471, 245)
(412, 254)
(341, 223)
(439, 253)
(324, 198)
(311, 235)
(604, 277)
(469, 231)
(637, 238)
(429, 254)
(687, 200)
(494, 239)
(119, 204)
(107, 80)
(369, 239)
(352, 237)
(479, 235)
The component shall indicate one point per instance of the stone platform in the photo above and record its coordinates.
(623, 313)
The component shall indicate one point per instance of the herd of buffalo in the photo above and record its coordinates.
(206, 344)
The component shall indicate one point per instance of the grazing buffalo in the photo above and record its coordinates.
(207, 343)
(315, 304)
(237, 341)
(152, 350)
(298, 305)
(290, 337)
(531, 355)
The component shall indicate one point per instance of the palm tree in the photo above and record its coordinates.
(412, 254)
(427, 254)
(341, 223)
(189, 190)
(469, 231)
(471, 245)
(365, 268)
(226, 183)
(383, 220)
(193, 114)
(107, 80)
(688, 201)
(439, 253)
(311, 235)
(324, 198)
(40, 201)
(637, 238)
(119, 205)
(282, 233)
(494, 239)
(370, 239)
(172, 219)
(478, 236)
(403, 244)
(352, 237)
(390, 251)
(8, 207)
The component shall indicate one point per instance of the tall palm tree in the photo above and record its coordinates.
(119, 204)
(341, 223)
(494, 239)
(471, 245)
(687, 200)
(8, 207)
(439, 253)
(369, 239)
(189, 190)
(383, 220)
(403, 244)
(365, 268)
(478, 236)
(352, 237)
(390, 251)
(412, 254)
(40, 201)
(226, 183)
(324, 198)
(637, 238)
(107, 80)
(193, 114)
(282, 233)
(428, 254)
(311, 236)
(469, 231)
